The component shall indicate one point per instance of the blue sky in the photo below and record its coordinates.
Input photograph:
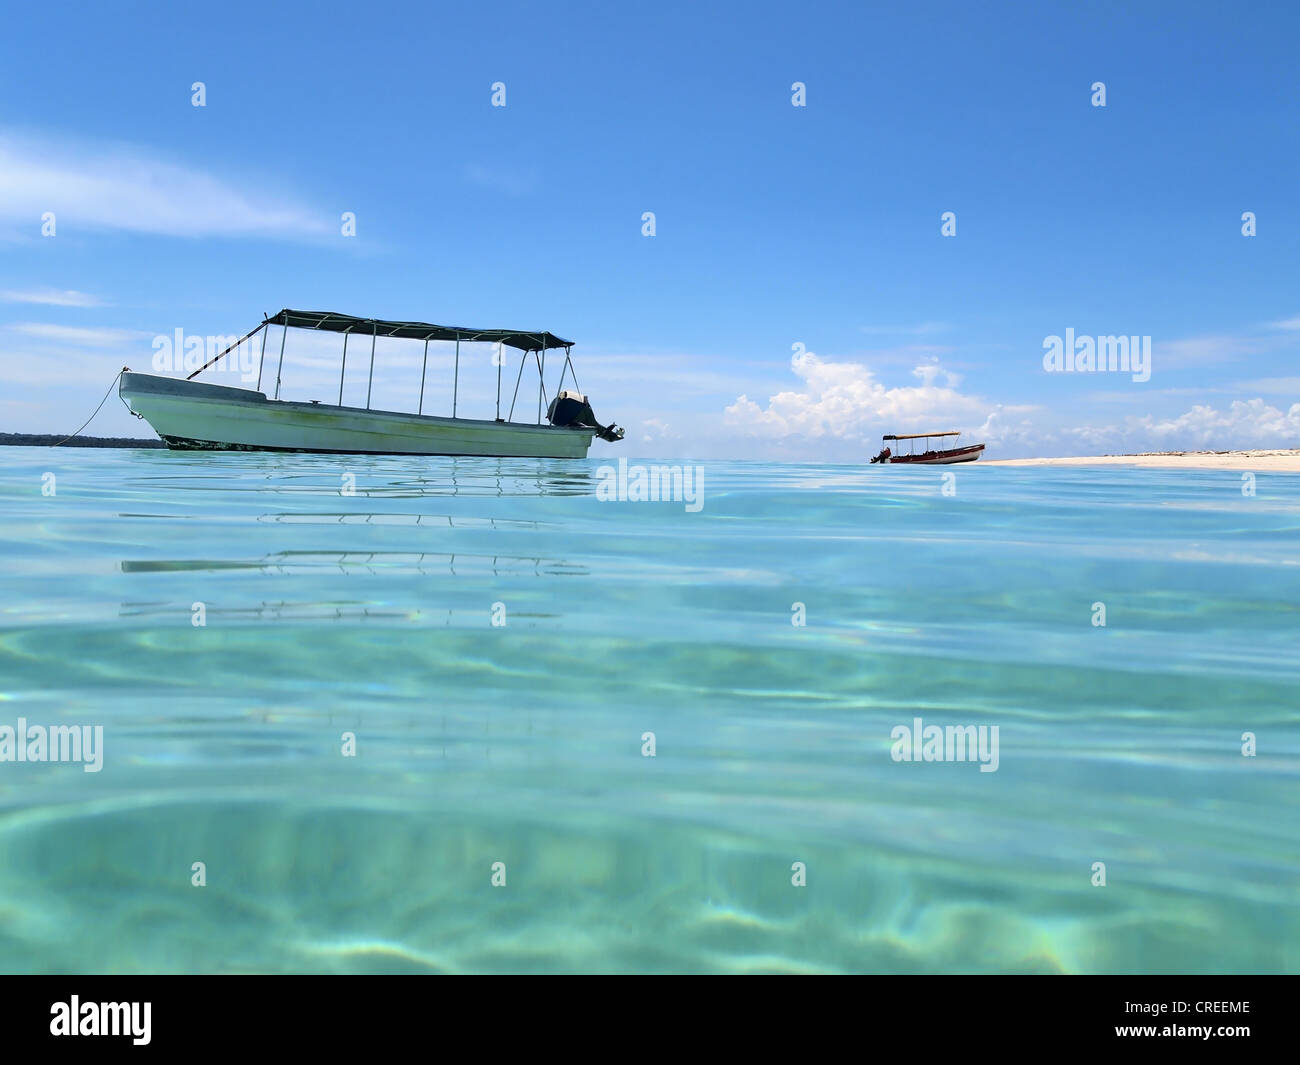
(775, 225)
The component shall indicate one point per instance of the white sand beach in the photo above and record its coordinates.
(1285, 461)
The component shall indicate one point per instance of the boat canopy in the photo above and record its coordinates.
(535, 344)
(329, 322)
(918, 436)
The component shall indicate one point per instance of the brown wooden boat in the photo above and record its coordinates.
(929, 456)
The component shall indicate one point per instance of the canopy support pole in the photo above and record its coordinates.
(518, 378)
(224, 353)
(500, 360)
(261, 359)
(541, 386)
(572, 372)
(541, 371)
(455, 380)
(278, 369)
(423, 370)
(370, 384)
(344, 371)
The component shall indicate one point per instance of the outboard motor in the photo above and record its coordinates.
(572, 409)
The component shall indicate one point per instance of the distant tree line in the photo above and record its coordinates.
(46, 439)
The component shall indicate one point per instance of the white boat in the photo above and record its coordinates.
(191, 415)
(928, 456)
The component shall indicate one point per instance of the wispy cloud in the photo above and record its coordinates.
(51, 297)
(90, 338)
(59, 360)
(1270, 386)
(90, 187)
(1203, 351)
(1286, 323)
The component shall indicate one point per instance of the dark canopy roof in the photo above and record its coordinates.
(328, 322)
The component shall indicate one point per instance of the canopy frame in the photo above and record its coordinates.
(330, 322)
(913, 437)
(535, 342)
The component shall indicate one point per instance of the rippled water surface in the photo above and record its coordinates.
(372, 613)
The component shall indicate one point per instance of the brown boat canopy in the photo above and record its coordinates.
(917, 436)
(329, 322)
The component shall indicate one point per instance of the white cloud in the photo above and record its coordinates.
(127, 188)
(845, 401)
(1249, 423)
(1286, 323)
(1245, 424)
(52, 297)
(656, 431)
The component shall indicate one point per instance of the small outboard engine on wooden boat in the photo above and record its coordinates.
(571, 408)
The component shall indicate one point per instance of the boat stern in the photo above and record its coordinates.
(571, 410)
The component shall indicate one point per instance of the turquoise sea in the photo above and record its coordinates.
(372, 614)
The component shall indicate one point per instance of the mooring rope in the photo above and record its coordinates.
(117, 378)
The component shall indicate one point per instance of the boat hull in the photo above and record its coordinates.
(939, 458)
(190, 415)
